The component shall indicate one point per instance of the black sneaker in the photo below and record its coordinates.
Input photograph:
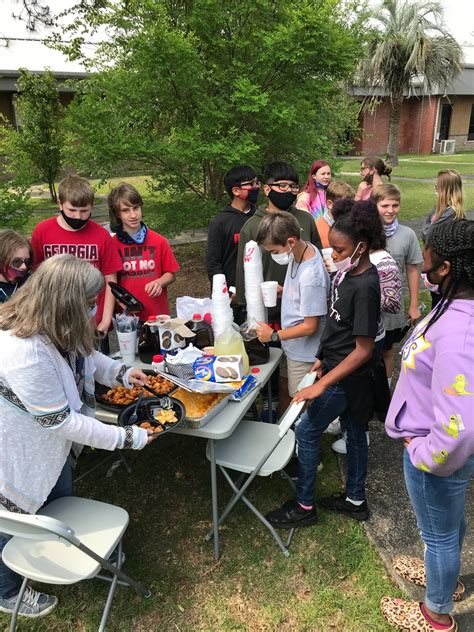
(291, 515)
(337, 502)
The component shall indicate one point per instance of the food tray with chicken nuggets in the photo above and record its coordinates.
(156, 414)
(200, 407)
(117, 398)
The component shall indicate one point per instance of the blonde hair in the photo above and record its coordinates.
(10, 240)
(449, 185)
(55, 302)
(76, 190)
(339, 189)
(385, 192)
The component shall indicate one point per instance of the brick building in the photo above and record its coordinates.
(424, 120)
(36, 57)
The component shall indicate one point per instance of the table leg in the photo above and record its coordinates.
(215, 509)
(269, 399)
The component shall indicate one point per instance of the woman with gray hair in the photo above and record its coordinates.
(47, 370)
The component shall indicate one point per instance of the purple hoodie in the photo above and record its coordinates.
(434, 397)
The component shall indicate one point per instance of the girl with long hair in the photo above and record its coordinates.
(432, 413)
(448, 207)
(313, 197)
(371, 169)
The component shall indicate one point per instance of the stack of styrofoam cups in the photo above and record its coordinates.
(222, 316)
(253, 271)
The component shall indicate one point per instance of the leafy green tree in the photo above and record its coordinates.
(188, 88)
(14, 208)
(411, 47)
(35, 151)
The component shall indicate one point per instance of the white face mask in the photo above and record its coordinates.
(282, 258)
(93, 311)
(347, 264)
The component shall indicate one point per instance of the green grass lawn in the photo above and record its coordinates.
(333, 579)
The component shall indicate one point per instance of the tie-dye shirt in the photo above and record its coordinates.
(434, 397)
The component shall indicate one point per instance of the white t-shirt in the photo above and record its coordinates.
(305, 293)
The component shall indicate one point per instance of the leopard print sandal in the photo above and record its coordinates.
(407, 616)
(413, 570)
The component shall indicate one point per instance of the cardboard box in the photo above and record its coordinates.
(174, 334)
(228, 368)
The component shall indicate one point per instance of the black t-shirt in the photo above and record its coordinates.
(354, 310)
(8, 289)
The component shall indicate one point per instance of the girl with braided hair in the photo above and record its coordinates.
(432, 412)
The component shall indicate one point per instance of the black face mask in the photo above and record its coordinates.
(283, 201)
(73, 222)
(252, 195)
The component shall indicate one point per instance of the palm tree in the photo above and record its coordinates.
(411, 47)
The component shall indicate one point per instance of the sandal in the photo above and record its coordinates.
(407, 616)
(413, 570)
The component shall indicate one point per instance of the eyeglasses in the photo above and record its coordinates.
(284, 187)
(255, 183)
(18, 262)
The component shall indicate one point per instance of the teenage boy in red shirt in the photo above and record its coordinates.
(75, 233)
(149, 265)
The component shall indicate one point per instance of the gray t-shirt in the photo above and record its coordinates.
(405, 249)
(304, 295)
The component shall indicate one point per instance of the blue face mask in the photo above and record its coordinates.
(93, 311)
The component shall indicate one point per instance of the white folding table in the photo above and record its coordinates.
(219, 427)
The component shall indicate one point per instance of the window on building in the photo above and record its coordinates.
(470, 133)
(445, 121)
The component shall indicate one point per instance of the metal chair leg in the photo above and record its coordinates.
(17, 605)
(110, 596)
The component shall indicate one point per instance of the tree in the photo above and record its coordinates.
(188, 88)
(410, 46)
(35, 151)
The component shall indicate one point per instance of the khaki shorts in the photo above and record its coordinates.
(294, 371)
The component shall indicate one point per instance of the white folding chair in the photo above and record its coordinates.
(258, 449)
(69, 540)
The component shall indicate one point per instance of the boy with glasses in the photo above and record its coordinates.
(280, 186)
(223, 235)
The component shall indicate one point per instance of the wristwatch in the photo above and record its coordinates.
(275, 336)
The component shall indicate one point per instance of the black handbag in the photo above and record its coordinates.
(258, 352)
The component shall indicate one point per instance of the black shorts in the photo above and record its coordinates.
(391, 338)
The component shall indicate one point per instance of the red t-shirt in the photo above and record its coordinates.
(92, 243)
(143, 263)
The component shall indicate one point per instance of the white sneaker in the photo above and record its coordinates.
(340, 446)
(334, 427)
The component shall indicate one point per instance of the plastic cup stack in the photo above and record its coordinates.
(253, 271)
(222, 315)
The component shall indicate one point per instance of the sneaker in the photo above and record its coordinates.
(33, 605)
(292, 468)
(291, 515)
(334, 427)
(337, 502)
(340, 446)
